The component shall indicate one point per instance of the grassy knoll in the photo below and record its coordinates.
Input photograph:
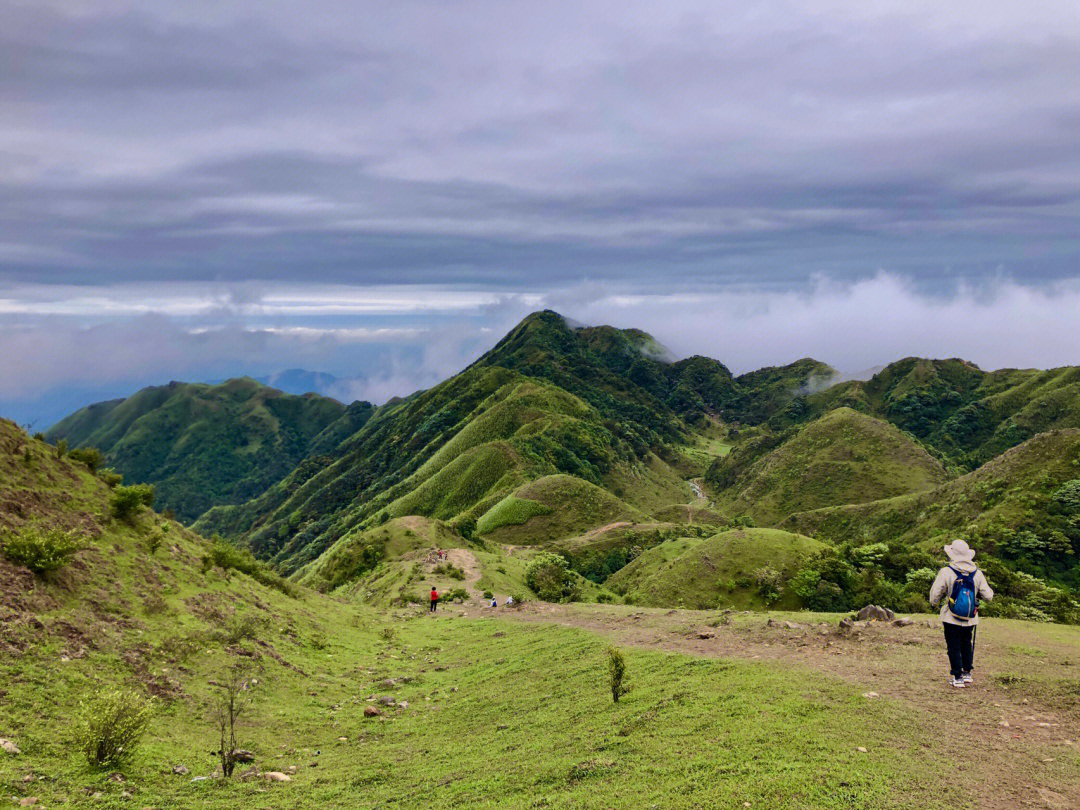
(721, 570)
(843, 457)
(574, 506)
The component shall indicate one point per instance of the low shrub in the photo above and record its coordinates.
(449, 570)
(126, 501)
(457, 594)
(90, 456)
(41, 550)
(548, 575)
(111, 478)
(617, 673)
(110, 725)
(226, 556)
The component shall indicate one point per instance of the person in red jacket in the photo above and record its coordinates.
(434, 598)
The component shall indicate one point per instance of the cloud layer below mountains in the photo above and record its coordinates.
(424, 336)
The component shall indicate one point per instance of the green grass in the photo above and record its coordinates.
(510, 511)
(689, 572)
(575, 506)
(530, 725)
(843, 457)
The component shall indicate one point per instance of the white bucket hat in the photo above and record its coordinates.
(959, 551)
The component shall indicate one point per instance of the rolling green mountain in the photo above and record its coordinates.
(1016, 507)
(600, 404)
(203, 445)
(964, 414)
(591, 442)
(843, 457)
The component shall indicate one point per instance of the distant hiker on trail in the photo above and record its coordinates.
(434, 599)
(509, 601)
(493, 602)
(962, 584)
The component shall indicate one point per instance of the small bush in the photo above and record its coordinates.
(243, 627)
(488, 594)
(90, 456)
(126, 501)
(617, 674)
(457, 594)
(768, 581)
(519, 598)
(449, 570)
(41, 551)
(111, 478)
(387, 633)
(154, 541)
(61, 448)
(110, 726)
(227, 557)
(549, 577)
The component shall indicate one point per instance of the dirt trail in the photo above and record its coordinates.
(1018, 745)
(467, 562)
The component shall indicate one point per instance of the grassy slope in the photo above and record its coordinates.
(573, 505)
(499, 713)
(843, 457)
(1003, 493)
(688, 571)
(966, 414)
(202, 445)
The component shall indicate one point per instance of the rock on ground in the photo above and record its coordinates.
(876, 613)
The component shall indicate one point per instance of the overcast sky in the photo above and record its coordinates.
(197, 189)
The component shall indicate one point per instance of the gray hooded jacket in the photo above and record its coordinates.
(942, 587)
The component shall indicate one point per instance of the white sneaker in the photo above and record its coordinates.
(966, 677)
(957, 682)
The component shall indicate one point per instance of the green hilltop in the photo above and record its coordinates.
(202, 445)
(843, 457)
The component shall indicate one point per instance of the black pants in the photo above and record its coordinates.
(434, 602)
(961, 650)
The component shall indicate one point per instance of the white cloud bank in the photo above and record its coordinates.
(851, 327)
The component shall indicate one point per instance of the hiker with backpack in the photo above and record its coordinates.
(959, 586)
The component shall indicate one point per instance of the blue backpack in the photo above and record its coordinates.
(963, 601)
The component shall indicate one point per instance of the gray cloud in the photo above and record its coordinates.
(485, 142)
(784, 165)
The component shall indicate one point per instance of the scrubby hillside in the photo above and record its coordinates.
(965, 414)
(202, 445)
(1018, 507)
(843, 457)
(740, 568)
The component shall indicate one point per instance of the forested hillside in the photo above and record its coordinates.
(203, 445)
